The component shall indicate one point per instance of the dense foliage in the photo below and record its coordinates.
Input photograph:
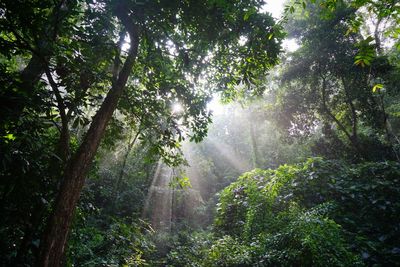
(325, 90)
(319, 213)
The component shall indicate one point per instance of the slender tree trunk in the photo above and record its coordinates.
(378, 45)
(132, 141)
(328, 112)
(63, 144)
(53, 243)
(254, 144)
(354, 134)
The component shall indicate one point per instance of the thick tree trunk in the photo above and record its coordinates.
(54, 240)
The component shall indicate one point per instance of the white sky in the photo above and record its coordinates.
(275, 7)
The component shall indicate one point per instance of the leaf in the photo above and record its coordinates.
(248, 14)
(9, 137)
(377, 88)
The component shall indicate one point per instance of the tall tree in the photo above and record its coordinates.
(325, 86)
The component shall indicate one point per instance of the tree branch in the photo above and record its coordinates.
(352, 109)
(64, 135)
(333, 117)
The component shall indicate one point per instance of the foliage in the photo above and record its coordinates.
(119, 244)
(107, 230)
(324, 92)
(311, 206)
(336, 96)
(189, 249)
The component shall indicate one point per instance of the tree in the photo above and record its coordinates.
(324, 88)
(146, 54)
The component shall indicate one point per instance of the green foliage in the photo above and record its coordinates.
(338, 88)
(301, 215)
(189, 249)
(118, 244)
(60, 59)
(107, 230)
(181, 182)
(326, 94)
(297, 214)
(304, 238)
(227, 251)
(366, 52)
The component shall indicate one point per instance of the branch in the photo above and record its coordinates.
(64, 135)
(60, 101)
(352, 108)
(329, 113)
(117, 60)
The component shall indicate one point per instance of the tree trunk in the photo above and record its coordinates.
(54, 240)
(256, 163)
(354, 142)
(14, 101)
(123, 167)
(63, 145)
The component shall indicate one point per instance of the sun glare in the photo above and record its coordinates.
(177, 108)
(290, 45)
(275, 7)
(215, 106)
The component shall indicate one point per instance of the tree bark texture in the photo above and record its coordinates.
(54, 239)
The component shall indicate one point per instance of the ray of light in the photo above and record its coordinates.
(228, 153)
(158, 205)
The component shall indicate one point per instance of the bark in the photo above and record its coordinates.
(378, 45)
(53, 243)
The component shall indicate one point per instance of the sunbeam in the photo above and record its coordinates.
(227, 153)
(158, 205)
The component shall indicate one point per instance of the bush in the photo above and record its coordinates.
(322, 212)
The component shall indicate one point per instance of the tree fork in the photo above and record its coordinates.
(53, 243)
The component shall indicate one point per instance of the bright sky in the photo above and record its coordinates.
(275, 7)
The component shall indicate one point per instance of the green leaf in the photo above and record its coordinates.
(9, 137)
(377, 88)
